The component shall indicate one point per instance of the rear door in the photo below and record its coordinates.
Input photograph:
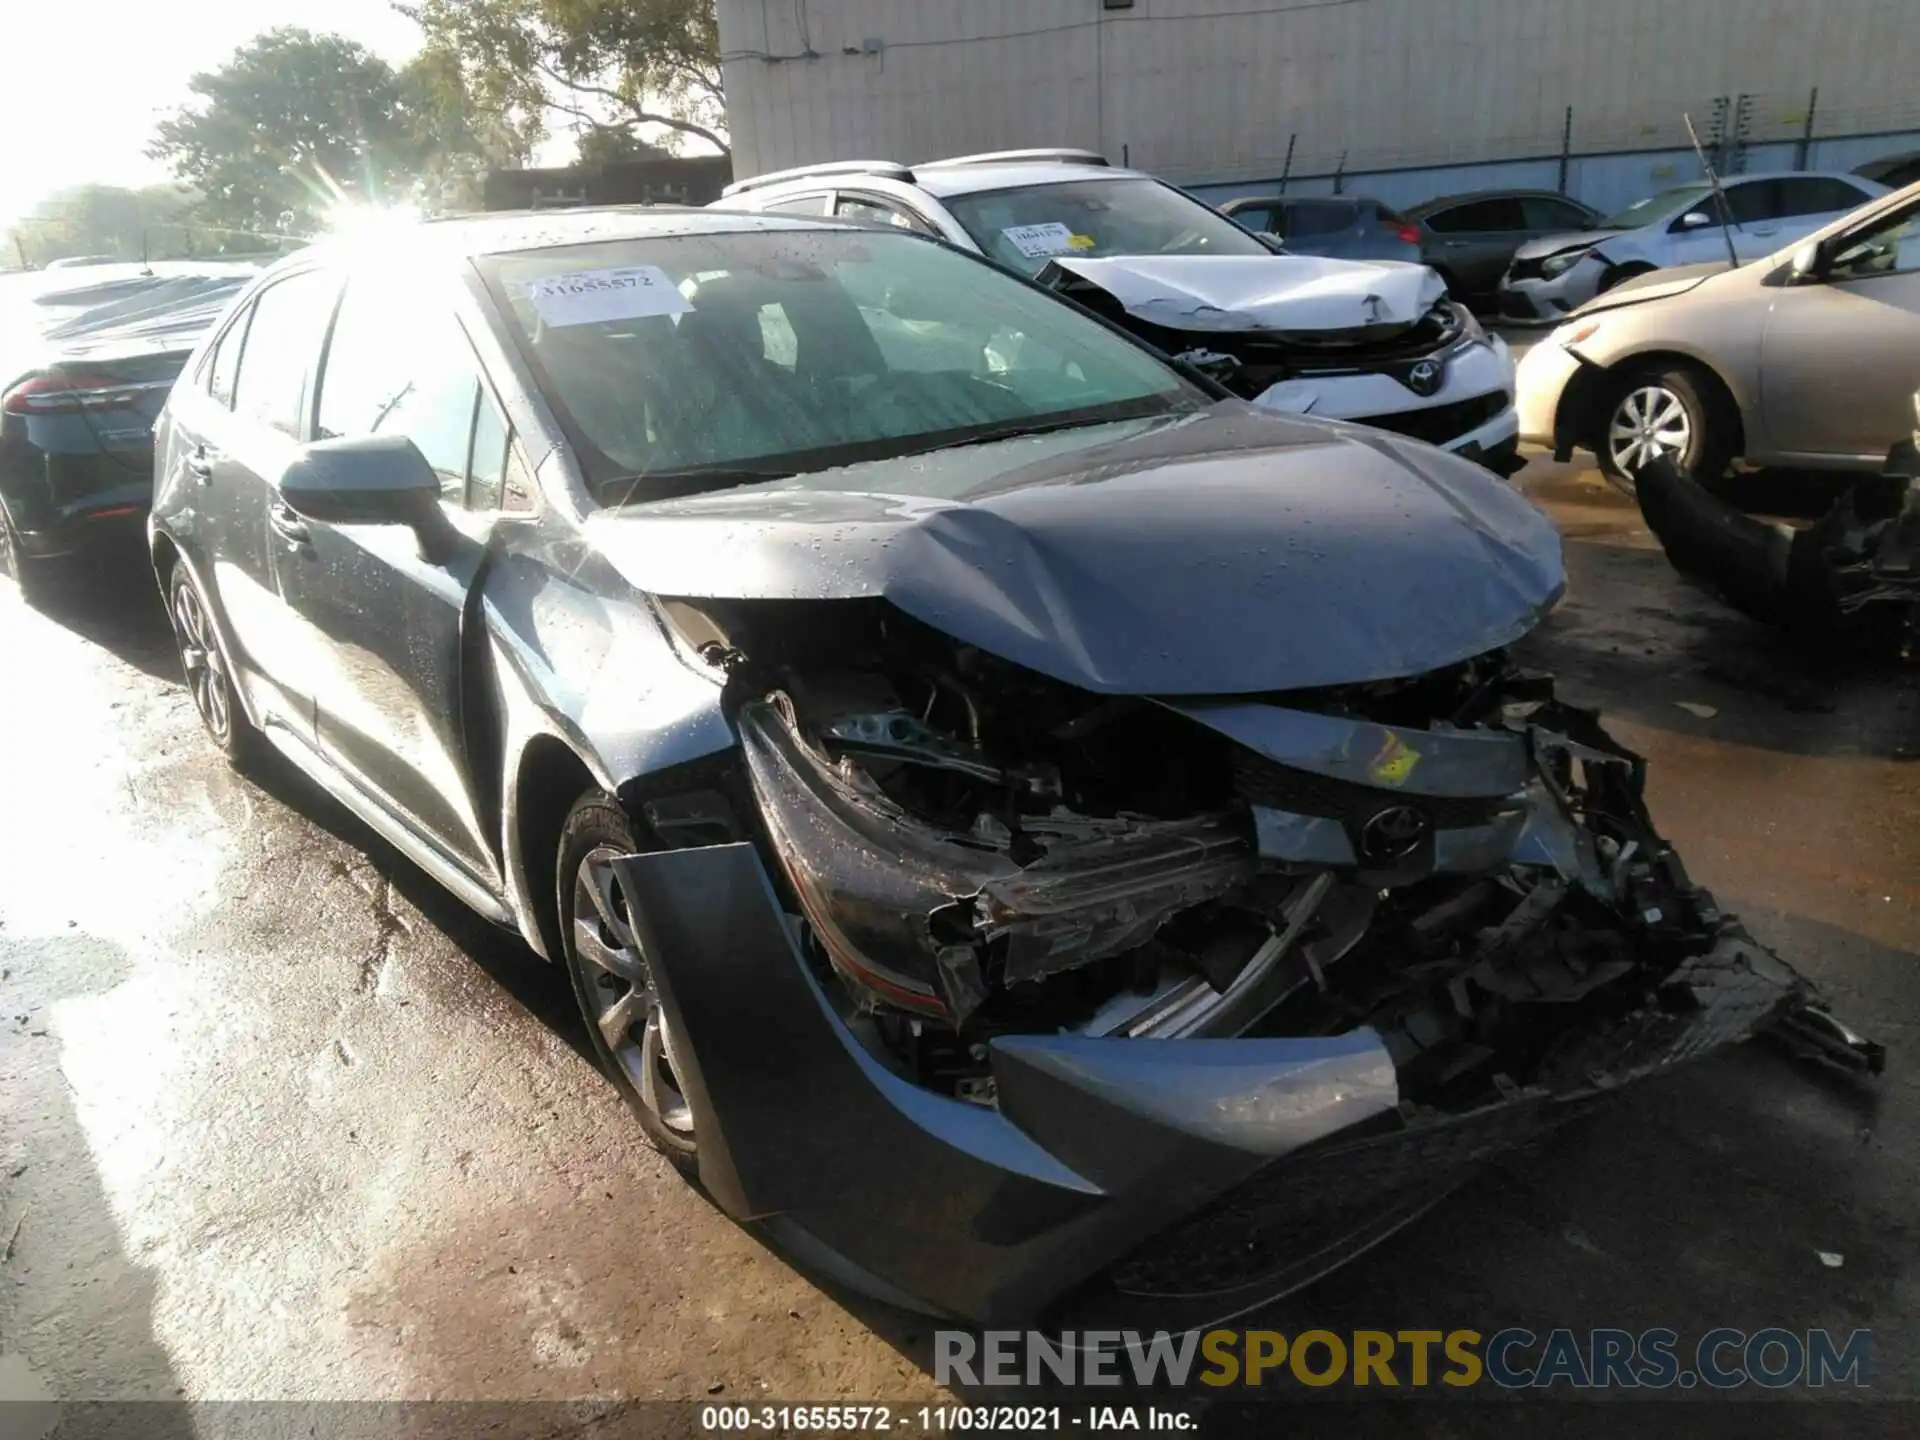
(1477, 239)
(236, 428)
(387, 618)
(1841, 358)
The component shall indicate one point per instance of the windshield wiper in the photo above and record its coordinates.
(1017, 429)
(674, 484)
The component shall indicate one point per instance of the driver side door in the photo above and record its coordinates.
(1841, 358)
(383, 607)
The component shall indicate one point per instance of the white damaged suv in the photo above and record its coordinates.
(1374, 342)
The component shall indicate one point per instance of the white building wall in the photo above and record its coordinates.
(1208, 91)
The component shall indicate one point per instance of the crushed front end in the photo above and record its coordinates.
(1029, 997)
(1418, 365)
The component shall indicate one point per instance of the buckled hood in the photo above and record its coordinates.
(1231, 551)
(1284, 293)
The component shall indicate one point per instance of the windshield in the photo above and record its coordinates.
(1656, 207)
(787, 351)
(1025, 228)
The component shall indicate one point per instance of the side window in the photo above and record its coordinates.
(1545, 213)
(1477, 216)
(1753, 201)
(226, 359)
(879, 212)
(400, 367)
(1265, 218)
(1890, 247)
(284, 335)
(800, 205)
(1817, 195)
(488, 471)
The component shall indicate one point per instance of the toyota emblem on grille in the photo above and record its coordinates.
(1393, 833)
(1424, 378)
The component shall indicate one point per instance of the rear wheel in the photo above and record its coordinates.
(204, 666)
(1670, 413)
(29, 574)
(613, 977)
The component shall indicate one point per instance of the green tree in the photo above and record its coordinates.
(608, 67)
(102, 220)
(292, 125)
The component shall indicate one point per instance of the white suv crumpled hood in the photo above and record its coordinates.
(1263, 292)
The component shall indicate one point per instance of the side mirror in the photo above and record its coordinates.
(368, 480)
(1806, 264)
(1693, 220)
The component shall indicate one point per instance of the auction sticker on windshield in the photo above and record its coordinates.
(587, 297)
(1033, 241)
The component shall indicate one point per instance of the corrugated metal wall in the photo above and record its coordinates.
(1208, 92)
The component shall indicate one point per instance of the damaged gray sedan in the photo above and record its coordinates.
(1040, 834)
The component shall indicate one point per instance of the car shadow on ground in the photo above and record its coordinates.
(110, 598)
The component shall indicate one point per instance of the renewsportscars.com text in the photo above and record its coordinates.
(1512, 1358)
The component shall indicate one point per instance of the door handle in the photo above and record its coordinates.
(1456, 244)
(288, 526)
(200, 465)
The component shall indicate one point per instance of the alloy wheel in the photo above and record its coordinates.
(625, 1003)
(1648, 423)
(200, 658)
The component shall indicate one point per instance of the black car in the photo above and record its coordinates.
(87, 356)
(1470, 239)
(1039, 833)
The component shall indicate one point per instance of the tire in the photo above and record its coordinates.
(1671, 410)
(611, 978)
(29, 574)
(208, 672)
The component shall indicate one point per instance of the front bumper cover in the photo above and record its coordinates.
(1115, 1173)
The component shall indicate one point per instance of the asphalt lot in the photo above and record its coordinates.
(278, 1119)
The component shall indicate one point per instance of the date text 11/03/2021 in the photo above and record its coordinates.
(943, 1419)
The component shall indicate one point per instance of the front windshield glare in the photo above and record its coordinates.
(1645, 212)
(788, 351)
(1023, 229)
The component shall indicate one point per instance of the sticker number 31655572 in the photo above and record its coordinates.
(587, 297)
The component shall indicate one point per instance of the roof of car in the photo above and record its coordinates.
(941, 180)
(1518, 193)
(499, 232)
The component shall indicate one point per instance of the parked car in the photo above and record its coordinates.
(1554, 276)
(1378, 342)
(1806, 358)
(1471, 239)
(995, 794)
(86, 360)
(1348, 227)
(1896, 172)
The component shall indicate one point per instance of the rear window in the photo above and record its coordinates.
(1318, 217)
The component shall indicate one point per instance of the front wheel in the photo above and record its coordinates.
(1669, 413)
(613, 976)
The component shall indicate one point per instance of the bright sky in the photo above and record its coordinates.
(85, 82)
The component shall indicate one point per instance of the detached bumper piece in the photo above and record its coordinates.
(1853, 574)
(978, 1038)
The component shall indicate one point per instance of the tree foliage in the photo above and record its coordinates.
(607, 67)
(152, 222)
(295, 123)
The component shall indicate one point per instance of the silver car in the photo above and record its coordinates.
(1809, 357)
(1556, 274)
